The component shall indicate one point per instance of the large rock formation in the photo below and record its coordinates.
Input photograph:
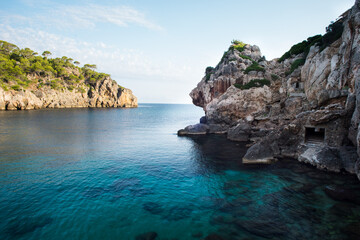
(304, 105)
(106, 93)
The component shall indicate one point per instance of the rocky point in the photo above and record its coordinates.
(304, 105)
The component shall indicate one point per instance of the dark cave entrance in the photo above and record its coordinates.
(314, 135)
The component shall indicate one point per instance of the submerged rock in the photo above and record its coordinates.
(153, 208)
(265, 229)
(353, 230)
(214, 236)
(343, 194)
(147, 236)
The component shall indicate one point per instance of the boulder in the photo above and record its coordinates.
(331, 159)
(240, 132)
(263, 152)
(218, 128)
(203, 120)
(197, 129)
(237, 104)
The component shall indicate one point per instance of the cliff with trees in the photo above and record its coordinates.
(32, 81)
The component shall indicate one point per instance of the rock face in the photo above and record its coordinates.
(106, 93)
(306, 106)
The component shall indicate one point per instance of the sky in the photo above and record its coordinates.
(160, 48)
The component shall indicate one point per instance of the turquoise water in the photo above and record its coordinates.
(118, 173)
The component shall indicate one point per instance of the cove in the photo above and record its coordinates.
(120, 173)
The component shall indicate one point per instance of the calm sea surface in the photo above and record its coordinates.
(118, 173)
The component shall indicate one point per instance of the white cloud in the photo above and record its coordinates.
(128, 63)
(79, 16)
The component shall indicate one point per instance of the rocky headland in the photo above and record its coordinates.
(304, 105)
(29, 81)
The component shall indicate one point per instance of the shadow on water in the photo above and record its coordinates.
(285, 200)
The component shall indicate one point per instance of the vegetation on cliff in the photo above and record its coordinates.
(253, 83)
(23, 68)
(254, 67)
(333, 33)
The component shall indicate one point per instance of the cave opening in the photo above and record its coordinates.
(314, 135)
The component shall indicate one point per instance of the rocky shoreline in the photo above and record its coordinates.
(305, 105)
(106, 93)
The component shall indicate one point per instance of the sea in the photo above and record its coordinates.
(110, 173)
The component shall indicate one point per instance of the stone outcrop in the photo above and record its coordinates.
(309, 112)
(106, 93)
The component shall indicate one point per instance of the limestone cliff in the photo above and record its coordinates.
(304, 105)
(30, 81)
(106, 93)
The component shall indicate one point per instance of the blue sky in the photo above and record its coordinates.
(160, 49)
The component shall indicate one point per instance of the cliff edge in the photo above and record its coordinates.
(30, 81)
(305, 104)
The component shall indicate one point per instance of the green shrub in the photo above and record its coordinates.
(246, 57)
(302, 47)
(240, 48)
(297, 63)
(274, 77)
(80, 89)
(3, 86)
(223, 57)
(54, 84)
(16, 87)
(209, 69)
(333, 33)
(208, 75)
(238, 45)
(70, 88)
(254, 67)
(92, 81)
(253, 83)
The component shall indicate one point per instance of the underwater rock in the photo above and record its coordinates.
(147, 236)
(20, 227)
(177, 213)
(266, 229)
(125, 183)
(153, 208)
(353, 230)
(197, 235)
(94, 192)
(213, 236)
(342, 194)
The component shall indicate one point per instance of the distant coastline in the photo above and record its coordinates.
(30, 81)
